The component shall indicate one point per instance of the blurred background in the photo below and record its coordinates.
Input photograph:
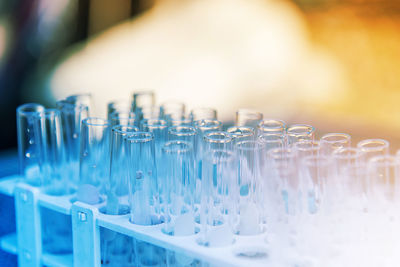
(330, 63)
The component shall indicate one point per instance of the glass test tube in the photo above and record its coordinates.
(333, 141)
(94, 159)
(145, 98)
(241, 133)
(180, 178)
(172, 110)
(248, 117)
(52, 153)
(117, 185)
(271, 126)
(299, 132)
(28, 146)
(373, 147)
(250, 155)
(142, 178)
(71, 118)
(384, 177)
(119, 106)
(84, 99)
(272, 140)
(197, 114)
(219, 188)
(122, 118)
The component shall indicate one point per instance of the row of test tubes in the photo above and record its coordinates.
(194, 175)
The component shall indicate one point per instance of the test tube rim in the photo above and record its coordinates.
(383, 144)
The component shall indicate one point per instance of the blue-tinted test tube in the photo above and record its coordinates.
(179, 174)
(241, 133)
(84, 99)
(172, 110)
(123, 118)
(94, 159)
(159, 129)
(143, 103)
(71, 118)
(142, 178)
(119, 106)
(28, 142)
(52, 158)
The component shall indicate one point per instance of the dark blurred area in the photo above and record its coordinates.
(33, 36)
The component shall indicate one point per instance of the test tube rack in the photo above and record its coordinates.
(26, 243)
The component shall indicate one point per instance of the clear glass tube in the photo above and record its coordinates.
(333, 141)
(319, 172)
(123, 118)
(272, 140)
(181, 122)
(28, 145)
(299, 132)
(94, 159)
(219, 187)
(172, 110)
(180, 178)
(120, 106)
(81, 100)
(159, 129)
(217, 141)
(373, 147)
(142, 178)
(71, 118)
(351, 172)
(271, 126)
(52, 153)
(384, 175)
(117, 185)
(241, 133)
(250, 156)
(145, 98)
(284, 179)
(183, 133)
(203, 114)
(306, 148)
(149, 112)
(248, 117)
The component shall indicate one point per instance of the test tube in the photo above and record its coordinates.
(284, 179)
(172, 110)
(84, 99)
(384, 175)
(203, 114)
(142, 178)
(122, 118)
(320, 171)
(219, 188)
(333, 141)
(159, 129)
(299, 132)
(56, 227)
(28, 146)
(180, 188)
(181, 122)
(271, 126)
(351, 172)
(272, 140)
(373, 147)
(248, 117)
(117, 185)
(52, 153)
(250, 156)
(145, 98)
(183, 133)
(71, 118)
(306, 148)
(94, 159)
(241, 133)
(120, 106)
